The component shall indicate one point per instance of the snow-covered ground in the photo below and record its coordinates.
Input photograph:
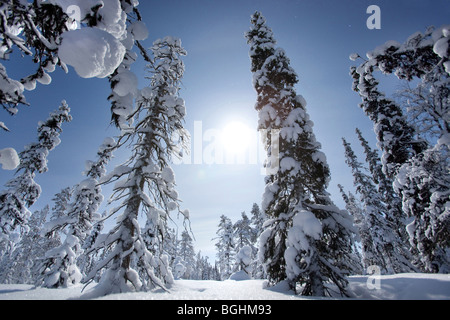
(393, 287)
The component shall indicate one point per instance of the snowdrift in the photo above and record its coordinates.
(407, 286)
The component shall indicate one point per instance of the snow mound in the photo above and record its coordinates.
(240, 276)
(91, 51)
(113, 19)
(127, 83)
(9, 159)
(281, 287)
(139, 30)
(404, 286)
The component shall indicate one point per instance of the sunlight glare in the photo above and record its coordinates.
(236, 137)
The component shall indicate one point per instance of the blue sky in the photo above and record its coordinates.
(318, 37)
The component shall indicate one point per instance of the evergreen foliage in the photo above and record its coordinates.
(146, 181)
(59, 268)
(417, 166)
(381, 244)
(305, 232)
(22, 191)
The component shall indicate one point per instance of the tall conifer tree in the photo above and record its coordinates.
(381, 244)
(307, 240)
(59, 268)
(147, 182)
(22, 191)
(418, 169)
(225, 247)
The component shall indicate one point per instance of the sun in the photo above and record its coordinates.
(236, 137)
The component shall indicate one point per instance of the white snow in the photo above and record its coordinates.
(308, 223)
(245, 255)
(139, 30)
(319, 156)
(3, 126)
(185, 213)
(146, 92)
(30, 85)
(118, 171)
(447, 66)
(416, 286)
(91, 51)
(354, 56)
(444, 140)
(168, 175)
(9, 86)
(305, 226)
(44, 79)
(240, 276)
(404, 286)
(380, 50)
(179, 270)
(127, 83)
(9, 159)
(107, 143)
(300, 99)
(113, 19)
(288, 163)
(441, 47)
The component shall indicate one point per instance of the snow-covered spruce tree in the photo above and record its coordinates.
(381, 245)
(146, 181)
(257, 221)
(87, 259)
(427, 176)
(11, 94)
(187, 254)
(199, 270)
(419, 170)
(244, 259)
(355, 208)
(392, 202)
(61, 202)
(18, 266)
(203, 269)
(225, 247)
(124, 82)
(258, 218)
(242, 232)
(395, 137)
(243, 235)
(428, 105)
(22, 191)
(306, 240)
(261, 40)
(166, 248)
(170, 244)
(59, 267)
